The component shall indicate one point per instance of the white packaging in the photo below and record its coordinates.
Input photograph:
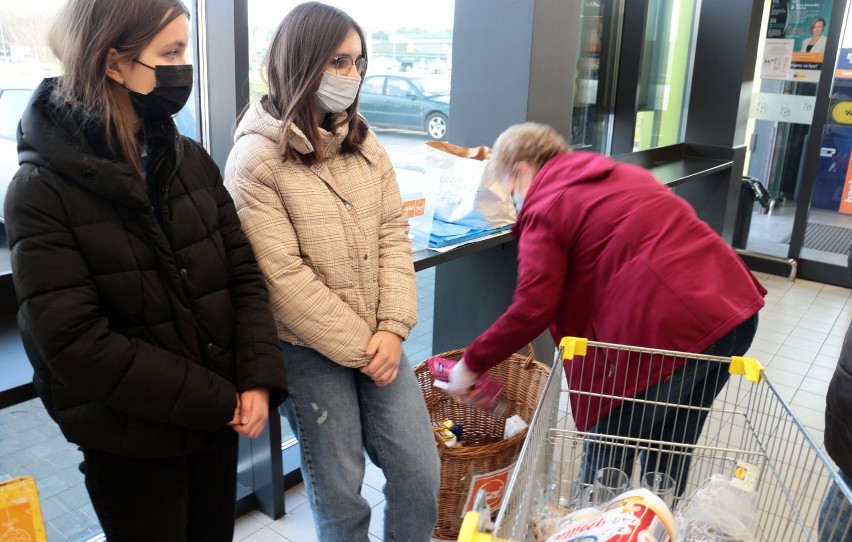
(635, 516)
(514, 425)
(418, 192)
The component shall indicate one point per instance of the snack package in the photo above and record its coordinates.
(634, 516)
(486, 394)
(440, 368)
(444, 430)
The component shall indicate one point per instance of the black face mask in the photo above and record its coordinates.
(171, 91)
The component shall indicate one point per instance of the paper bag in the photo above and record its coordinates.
(463, 195)
(418, 198)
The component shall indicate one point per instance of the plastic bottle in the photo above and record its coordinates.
(487, 394)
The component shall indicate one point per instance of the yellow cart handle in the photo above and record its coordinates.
(477, 521)
(469, 531)
(750, 368)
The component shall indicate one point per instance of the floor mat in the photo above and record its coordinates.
(825, 238)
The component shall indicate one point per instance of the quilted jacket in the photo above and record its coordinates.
(331, 238)
(141, 332)
(838, 405)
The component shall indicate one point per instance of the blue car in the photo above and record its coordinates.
(416, 102)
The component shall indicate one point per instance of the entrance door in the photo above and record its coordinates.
(802, 97)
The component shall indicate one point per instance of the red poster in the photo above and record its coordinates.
(494, 483)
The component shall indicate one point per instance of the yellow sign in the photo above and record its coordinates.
(842, 112)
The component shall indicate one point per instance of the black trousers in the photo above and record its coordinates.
(171, 499)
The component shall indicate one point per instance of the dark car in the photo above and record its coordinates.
(418, 102)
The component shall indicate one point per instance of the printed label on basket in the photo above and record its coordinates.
(744, 476)
(494, 484)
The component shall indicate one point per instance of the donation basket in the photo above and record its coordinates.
(483, 454)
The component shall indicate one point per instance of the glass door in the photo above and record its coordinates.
(806, 218)
(828, 230)
(597, 66)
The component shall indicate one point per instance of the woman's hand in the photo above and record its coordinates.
(385, 352)
(252, 412)
(462, 380)
(236, 419)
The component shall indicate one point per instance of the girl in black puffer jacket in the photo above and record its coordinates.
(835, 517)
(142, 309)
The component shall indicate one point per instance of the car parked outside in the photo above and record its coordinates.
(398, 100)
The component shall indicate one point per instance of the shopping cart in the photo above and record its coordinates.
(749, 435)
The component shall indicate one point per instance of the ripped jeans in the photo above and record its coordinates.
(337, 414)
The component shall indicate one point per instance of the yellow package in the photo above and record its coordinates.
(20, 512)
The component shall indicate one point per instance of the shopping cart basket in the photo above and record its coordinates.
(750, 433)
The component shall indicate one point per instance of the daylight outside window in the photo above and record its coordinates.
(405, 96)
(26, 59)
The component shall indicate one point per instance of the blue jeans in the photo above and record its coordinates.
(337, 413)
(697, 383)
(835, 516)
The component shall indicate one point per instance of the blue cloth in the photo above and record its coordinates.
(835, 516)
(697, 383)
(445, 233)
(337, 413)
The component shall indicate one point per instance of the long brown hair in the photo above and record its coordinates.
(304, 42)
(81, 37)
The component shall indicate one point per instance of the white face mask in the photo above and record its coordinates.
(336, 92)
(518, 200)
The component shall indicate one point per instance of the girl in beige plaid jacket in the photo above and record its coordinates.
(318, 200)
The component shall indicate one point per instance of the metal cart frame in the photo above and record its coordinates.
(750, 433)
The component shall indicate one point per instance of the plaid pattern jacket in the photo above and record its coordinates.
(331, 238)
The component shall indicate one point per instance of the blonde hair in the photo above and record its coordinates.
(528, 142)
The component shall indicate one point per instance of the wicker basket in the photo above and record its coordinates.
(484, 449)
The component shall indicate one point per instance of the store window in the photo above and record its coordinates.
(664, 75)
(26, 59)
(414, 44)
(590, 125)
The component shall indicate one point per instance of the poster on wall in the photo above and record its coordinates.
(803, 26)
(777, 59)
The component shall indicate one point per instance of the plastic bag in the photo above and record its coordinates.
(545, 512)
(463, 195)
(720, 509)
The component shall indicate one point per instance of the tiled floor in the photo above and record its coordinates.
(799, 338)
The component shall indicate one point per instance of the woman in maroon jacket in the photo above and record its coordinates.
(607, 252)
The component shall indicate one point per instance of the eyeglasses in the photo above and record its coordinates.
(342, 64)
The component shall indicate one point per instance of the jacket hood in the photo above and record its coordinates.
(258, 121)
(561, 171)
(573, 168)
(66, 139)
